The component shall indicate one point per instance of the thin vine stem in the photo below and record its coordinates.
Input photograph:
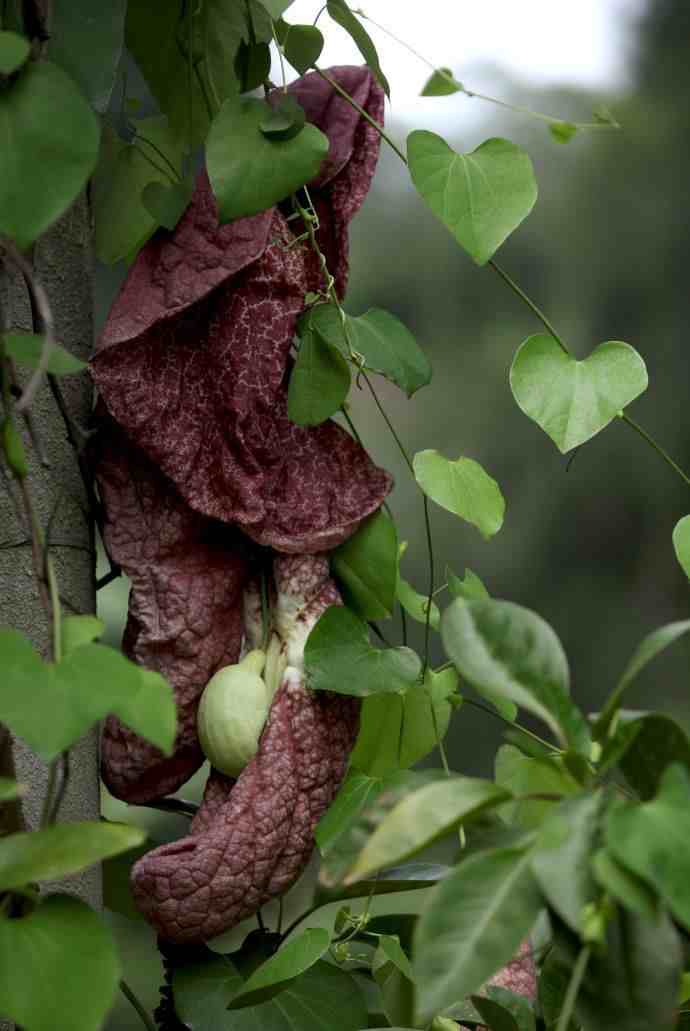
(40, 298)
(657, 447)
(576, 980)
(365, 114)
(475, 703)
(136, 1005)
(510, 282)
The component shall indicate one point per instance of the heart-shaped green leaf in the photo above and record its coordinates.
(338, 657)
(59, 969)
(51, 149)
(302, 45)
(481, 197)
(51, 706)
(60, 850)
(573, 400)
(319, 381)
(250, 172)
(14, 51)
(366, 566)
(26, 349)
(167, 202)
(461, 487)
(441, 84)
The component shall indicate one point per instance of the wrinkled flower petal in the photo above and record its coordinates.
(185, 608)
(199, 380)
(252, 838)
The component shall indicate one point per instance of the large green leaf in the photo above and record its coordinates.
(461, 487)
(54, 852)
(50, 139)
(291, 960)
(26, 350)
(319, 381)
(338, 657)
(422, 818)
(625, 886)
(396, 732)
(508, 651)
(250, 172)
(561, 862)
(59, 969)
(573, 400)
(341, 13)
(384, 342)
(87, 42)
(123, 223)
(651, 646)
(357, 791)
(52, 706)
(656, 741)
(651, 839)
(524, 775)
(631, 984)
(481, 197)
(158, 39)
(225, 26)
(366, 566)
(203, 990)
(473, 925)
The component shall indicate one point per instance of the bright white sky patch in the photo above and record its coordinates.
(582, 42)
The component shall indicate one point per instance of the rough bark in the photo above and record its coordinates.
(64, 264)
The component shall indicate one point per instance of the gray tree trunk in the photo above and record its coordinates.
(63, 262)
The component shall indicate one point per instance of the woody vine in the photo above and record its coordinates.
(227, 479)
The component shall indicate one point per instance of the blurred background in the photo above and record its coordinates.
(606, 254)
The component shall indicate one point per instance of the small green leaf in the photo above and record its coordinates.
(470, 588)
(390, 947)
(286, 120)
(509, 652)
(60, 969)
(54, 150)
(416, 605)
(622, 884)
(252, 66)
(472, 925)
(78, 630)
(13, 449)
(496, 1016)
(10, 791)
(14, 52)
(123, 223)
(442, 84)
(463, 488)
(343, 16)
(302, 46)
(167, 203)
(89, 48)
(561, 862)
(26, 350)
(298, 955)
(387, 346)
(366, 566)
(358, 791)
(422, 818)
(319, 382)
(651, 839)
(651, 646)
(480, 197)
(249, 172)
(655, 741)
(202, 991)
(396, 732)
(681, 543)
(574, 400)
(562, 132)
(523, 775)
(64, 849)
(338, 657)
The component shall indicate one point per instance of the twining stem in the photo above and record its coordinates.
(529, 302)
(509, 723)
(131, 998)
(657, 447)
(365, 114)
(576, 980)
